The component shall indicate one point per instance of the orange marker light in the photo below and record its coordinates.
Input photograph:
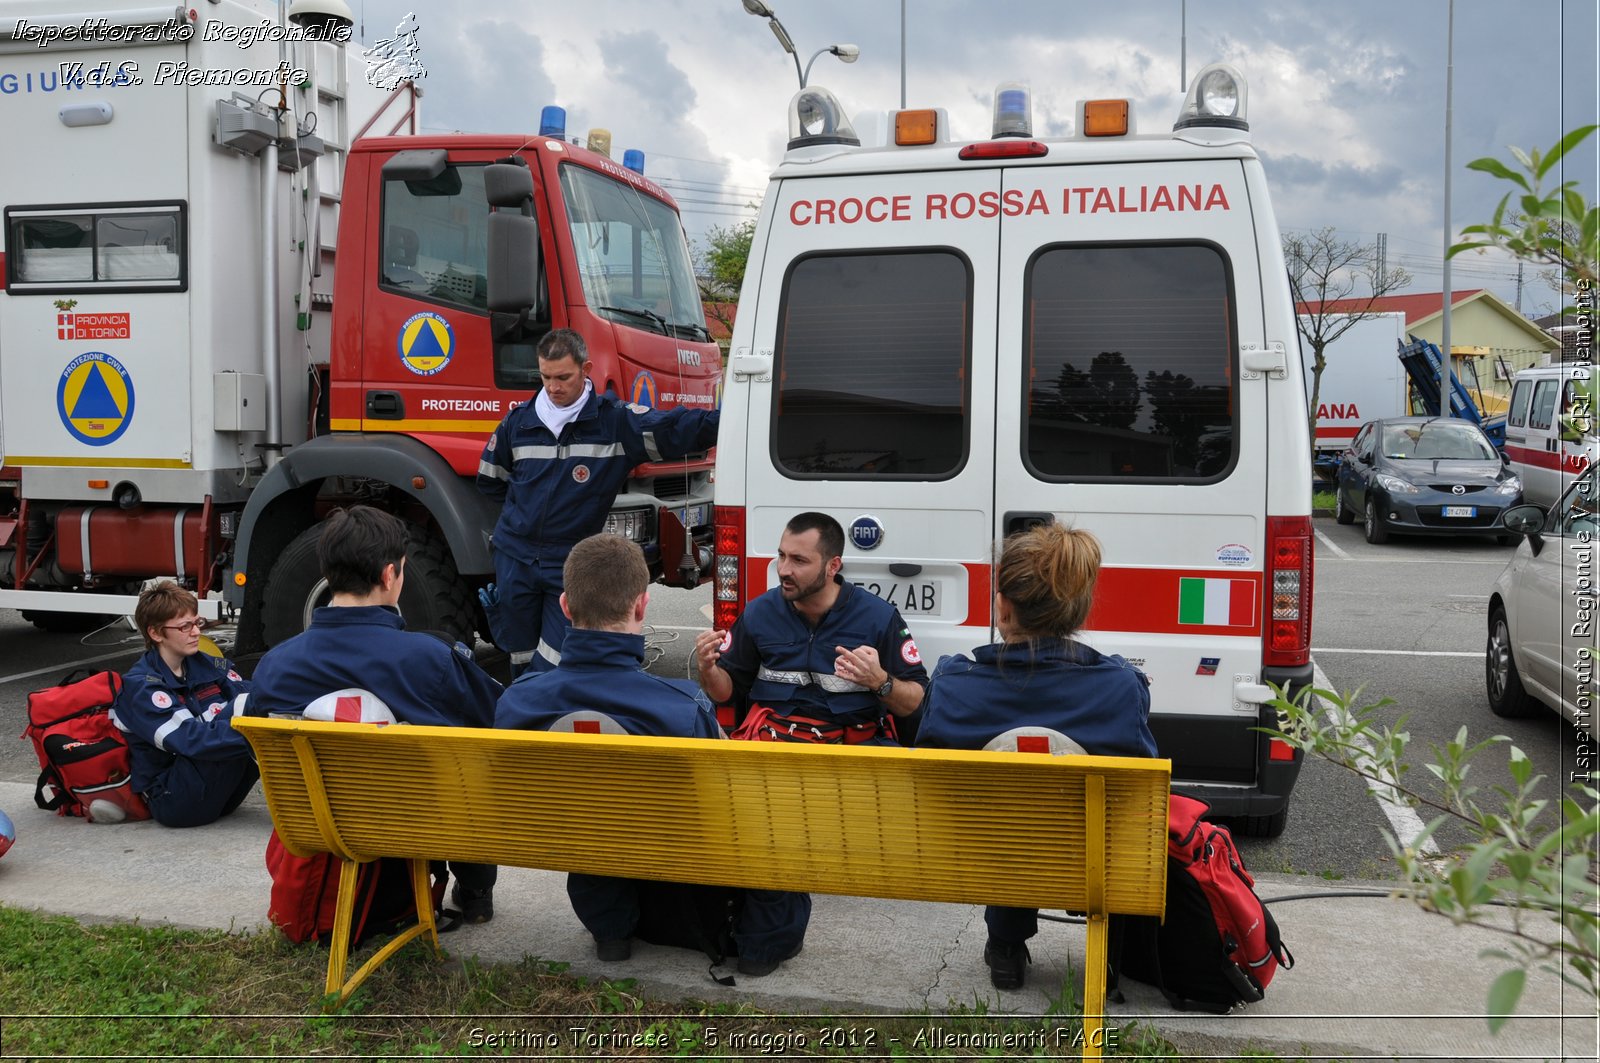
(916, 127)
(99, 485)
(1105, 118)
(238, 579)
(419, 483)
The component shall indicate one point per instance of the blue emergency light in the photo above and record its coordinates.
(633, 159)
(553, 122)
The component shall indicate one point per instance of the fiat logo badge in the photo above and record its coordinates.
(866, 533)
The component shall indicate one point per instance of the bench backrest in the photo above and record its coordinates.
(940, 825)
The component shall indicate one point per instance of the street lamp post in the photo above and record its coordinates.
(847, 53)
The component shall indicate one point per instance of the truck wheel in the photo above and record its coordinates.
(433, 598)
(1507, 698)
(1341, 512)
(1377, 531)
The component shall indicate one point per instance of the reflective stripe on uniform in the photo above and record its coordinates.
(548, 652)
(650, 447)
(179, 718)
(831, 683)
(522, 656)
(573, 450)
(492, 471)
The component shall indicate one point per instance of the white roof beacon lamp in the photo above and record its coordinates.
(817, 117)
(322, 14)
(1217, 97)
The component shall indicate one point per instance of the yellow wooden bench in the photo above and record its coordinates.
(1085, 834)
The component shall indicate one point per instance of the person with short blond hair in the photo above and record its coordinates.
(1038, 676)
(177, 708)
(602, 674)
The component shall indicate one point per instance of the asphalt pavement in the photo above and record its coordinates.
(1375, 977)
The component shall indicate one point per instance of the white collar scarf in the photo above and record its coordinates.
(556, 417)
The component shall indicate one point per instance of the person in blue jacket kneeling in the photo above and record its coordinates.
(1039, 676)
(606, 583)
(177, 708)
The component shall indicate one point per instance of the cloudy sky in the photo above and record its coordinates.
(1347, 98)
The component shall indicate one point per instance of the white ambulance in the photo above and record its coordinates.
(1550, 434)
(943, 341)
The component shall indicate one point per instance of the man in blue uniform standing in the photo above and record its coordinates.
(557, 463)
(602, 671)
(358, 640)
(818, 660)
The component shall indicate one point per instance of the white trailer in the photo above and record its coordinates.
(168, 266)
(1362, 380)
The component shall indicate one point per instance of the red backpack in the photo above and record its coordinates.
(1218, 946)
(305, 895)
(83, 755)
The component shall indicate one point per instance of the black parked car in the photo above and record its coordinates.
(1425, 475)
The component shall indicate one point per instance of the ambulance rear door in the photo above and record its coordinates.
(879, 329)
(1125, 302)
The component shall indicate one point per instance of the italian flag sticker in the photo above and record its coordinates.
(1217, 602)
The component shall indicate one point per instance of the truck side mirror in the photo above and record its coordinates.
(513, 277)
(507, 184)
(513, 267)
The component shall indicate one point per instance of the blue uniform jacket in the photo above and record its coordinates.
(776, 659)
(603, 671)
(1101, 702)
(559, 490)
(167, 717)
(423, 680)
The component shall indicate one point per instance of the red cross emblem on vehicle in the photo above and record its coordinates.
(580, 473)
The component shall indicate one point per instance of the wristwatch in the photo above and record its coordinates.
(887, 688)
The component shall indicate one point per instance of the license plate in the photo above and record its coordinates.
(1461, 511)
(692, 516)
(909, 596)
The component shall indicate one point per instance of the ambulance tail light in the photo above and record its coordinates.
(1216, 97)
(727, 593)
(1003, 149)
(1288, 613)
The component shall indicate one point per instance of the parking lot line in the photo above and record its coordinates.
(1403, 819)
(124, 653)
(1331, 545)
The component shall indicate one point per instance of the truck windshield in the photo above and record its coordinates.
(632, 256)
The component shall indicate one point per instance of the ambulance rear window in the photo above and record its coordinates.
(871, 367)
(1128, 363)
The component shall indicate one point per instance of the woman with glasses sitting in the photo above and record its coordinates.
(177, 707)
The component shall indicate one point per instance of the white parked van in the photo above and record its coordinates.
(1547, 450)
(943, 341)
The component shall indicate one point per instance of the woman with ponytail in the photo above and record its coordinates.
(1038, 675)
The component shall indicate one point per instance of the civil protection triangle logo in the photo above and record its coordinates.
(95, 398)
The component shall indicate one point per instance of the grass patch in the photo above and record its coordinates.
(1322, 500)
(131, 991)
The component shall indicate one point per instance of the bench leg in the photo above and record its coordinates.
(1094, 987)
(344, 917)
